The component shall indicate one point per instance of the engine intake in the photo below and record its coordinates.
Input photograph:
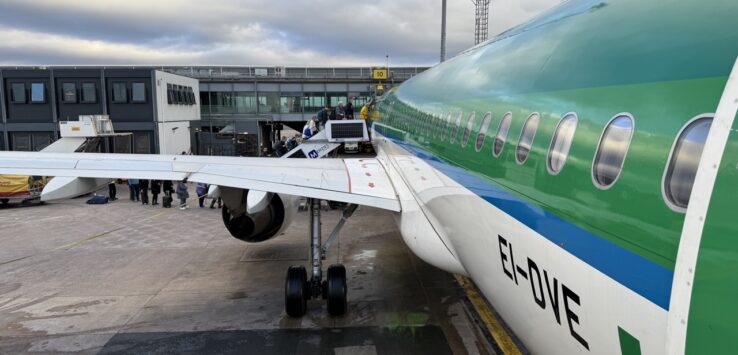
(253, 227)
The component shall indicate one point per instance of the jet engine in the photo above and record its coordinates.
(255, 216)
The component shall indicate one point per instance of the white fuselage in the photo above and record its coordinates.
(554, 302)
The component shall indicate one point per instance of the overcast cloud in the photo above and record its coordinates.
(243, 32)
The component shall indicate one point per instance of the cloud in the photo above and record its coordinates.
(245, 32)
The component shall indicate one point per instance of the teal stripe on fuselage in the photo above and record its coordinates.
(643, 276)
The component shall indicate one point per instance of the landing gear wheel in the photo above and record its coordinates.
(4, 201)
(336, 290)
(295, 291)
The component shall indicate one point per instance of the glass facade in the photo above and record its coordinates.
(69, 92)
(122, 144)
(360, 100)
(268, 102)
(141, 143)
(30, 141)
(89, 93)
(245, 101)
(120, 93)
(335, 98)
(313, 102)
(225, 137)
(138, 92)
(204, 102)
(226, 101)
(221, 102)
(290, 103)
(18, 91)
(38, 93)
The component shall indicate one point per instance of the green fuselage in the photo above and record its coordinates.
(662, 62)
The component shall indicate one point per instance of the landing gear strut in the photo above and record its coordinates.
(299, 289)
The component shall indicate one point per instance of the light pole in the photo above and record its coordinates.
(443, 30)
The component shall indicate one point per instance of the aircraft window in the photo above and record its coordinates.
(455, 129)
(467, 130)
(526, 137)
(434, 126)
(685, 157)
(501, 134)
(611, 152)
(431, 125)
(424, 125)
(439, 126)
(561, 142)
(483, 131)
(445, 127)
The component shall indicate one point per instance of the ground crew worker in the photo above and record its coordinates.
(324, 115)
(364, 113)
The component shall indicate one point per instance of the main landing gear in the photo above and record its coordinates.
(299, 289)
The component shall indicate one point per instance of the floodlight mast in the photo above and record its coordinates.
(481, 20)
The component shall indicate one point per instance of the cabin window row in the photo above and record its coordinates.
(609, 157)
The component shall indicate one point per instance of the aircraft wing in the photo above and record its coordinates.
(359, 181)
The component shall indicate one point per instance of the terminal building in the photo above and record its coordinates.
(155, 106)
(203, 110)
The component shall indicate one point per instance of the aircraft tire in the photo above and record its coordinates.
(295, 296)
(336, 290)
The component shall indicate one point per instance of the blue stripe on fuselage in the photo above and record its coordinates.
(645, 277)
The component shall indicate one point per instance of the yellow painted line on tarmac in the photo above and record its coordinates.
(154, 216)
(81, 241)
(99, 235)
(491, 322)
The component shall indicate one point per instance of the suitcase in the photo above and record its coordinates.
(166, 202)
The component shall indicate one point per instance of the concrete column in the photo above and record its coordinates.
(3, 112)
(103, 91)
(155, 108)
(103, 97)
(52, 100)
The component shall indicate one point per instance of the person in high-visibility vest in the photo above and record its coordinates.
(364, 113)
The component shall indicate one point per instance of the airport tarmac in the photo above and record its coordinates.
(127, 278)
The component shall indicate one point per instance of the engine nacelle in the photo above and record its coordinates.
(256, 224)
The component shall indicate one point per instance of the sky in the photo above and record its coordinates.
(244, 32)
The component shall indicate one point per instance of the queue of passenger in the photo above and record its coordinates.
(140, 188)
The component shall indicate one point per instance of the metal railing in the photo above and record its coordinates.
(237, 73)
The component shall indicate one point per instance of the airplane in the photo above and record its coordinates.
(579, 168)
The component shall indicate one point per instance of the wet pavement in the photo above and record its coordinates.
(126, 278)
